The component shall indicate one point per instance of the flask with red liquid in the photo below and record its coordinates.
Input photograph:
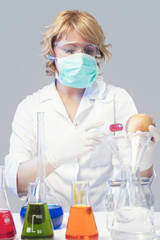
(81, 222)
(7, 227)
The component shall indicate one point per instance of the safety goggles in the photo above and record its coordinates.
(68, 48)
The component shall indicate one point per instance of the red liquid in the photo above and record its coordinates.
(81, 223)
(116, 127)
(7, 227)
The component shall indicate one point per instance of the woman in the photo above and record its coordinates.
(77, 101)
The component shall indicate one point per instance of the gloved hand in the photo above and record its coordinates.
(75, 144)
(155, 133)
(147, 159)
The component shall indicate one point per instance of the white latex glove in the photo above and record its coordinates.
(147, 160)
(75, 145)
(155, 133)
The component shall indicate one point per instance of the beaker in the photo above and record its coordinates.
(81, 222)
(54, 206)
(37, 222)
(7, 227)
(132, 219)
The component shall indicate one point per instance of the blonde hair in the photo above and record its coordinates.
(85, 24)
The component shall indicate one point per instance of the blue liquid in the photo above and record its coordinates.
(56, 214)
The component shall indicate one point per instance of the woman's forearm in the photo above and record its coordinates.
(27, 172)
(147, 173)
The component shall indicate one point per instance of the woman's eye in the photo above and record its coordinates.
(69, 50)
(90, 51)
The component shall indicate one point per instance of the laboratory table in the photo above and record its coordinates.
(100, 218)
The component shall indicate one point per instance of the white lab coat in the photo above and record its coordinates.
(100, 102)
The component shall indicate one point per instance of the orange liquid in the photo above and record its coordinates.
(81, 223)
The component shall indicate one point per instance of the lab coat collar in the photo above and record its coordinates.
(92, 93)
(96, 91)
(50, 99)
(48, 93)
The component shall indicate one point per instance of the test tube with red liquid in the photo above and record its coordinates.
(116, 127)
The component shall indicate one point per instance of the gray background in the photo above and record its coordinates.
(133, 29)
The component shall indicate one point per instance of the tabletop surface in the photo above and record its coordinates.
(100, 218)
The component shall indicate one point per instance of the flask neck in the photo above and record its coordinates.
(37, 192)
(81, 193)
(127, 174)
(1, 178)
(4, 204)
(41, 174)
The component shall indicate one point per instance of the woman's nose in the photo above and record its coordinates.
(80, 50)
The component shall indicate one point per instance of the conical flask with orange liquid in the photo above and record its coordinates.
(81, 222)
(7, 227)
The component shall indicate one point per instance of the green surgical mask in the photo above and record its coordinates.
(78, 70)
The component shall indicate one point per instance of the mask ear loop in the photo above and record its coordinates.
(51, 58)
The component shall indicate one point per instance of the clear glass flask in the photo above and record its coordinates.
(7, 227)
(111, 200)
(54, 206)
(112, 196)
(81, 223)
(132, 219)
(145, 184)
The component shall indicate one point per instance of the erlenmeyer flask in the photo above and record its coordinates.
(37, 223)
(55, 211)
(7, 227)
(54, 206)
(81, 223)
(132, 218)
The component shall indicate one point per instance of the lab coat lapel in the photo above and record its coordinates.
(96, 91)
(84, 104)
(58, 105)
(53, 100)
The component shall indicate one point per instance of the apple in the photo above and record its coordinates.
(139, 122)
